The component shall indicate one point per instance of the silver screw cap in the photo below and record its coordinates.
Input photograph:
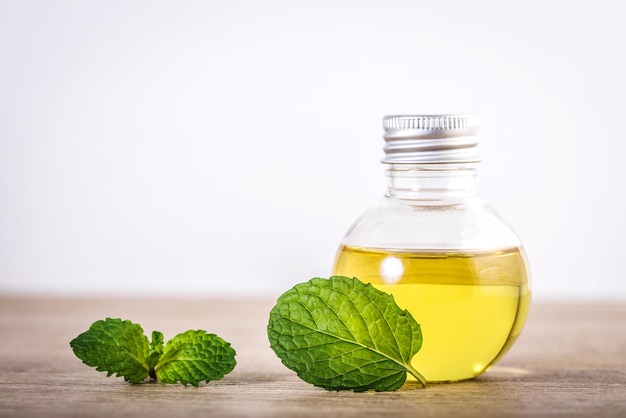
(430, 139)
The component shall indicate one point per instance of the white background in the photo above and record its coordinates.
(222, 148)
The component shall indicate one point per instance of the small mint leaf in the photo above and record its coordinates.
(114, 346)
(154, 352)
(195, 356)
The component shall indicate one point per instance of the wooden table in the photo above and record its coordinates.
(570, 361)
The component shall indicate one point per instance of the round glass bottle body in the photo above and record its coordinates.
(448, 259)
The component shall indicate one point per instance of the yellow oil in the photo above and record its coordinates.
(471, 306)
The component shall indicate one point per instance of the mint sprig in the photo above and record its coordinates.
(119, 347)
(342, 334)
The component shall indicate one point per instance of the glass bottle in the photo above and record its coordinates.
(440, 250)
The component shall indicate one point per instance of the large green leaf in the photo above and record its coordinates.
(340, 334)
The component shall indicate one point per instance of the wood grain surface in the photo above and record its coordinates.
(570, 361)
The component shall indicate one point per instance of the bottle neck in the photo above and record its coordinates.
(432, 183)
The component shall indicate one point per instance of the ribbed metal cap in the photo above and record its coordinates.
(412, 139)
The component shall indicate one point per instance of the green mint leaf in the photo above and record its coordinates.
(342, 334)
(121, 348)
(195, 356)
(154, 352)
(116, 347)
